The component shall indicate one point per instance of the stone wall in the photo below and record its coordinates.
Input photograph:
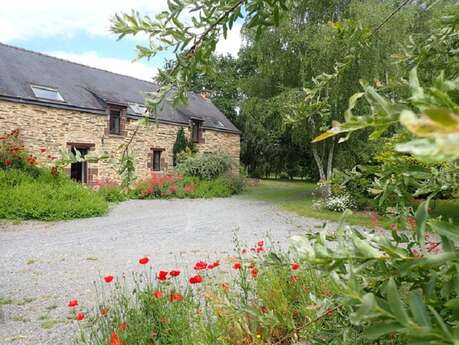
(53, 129)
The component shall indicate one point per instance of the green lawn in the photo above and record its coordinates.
(296, 196)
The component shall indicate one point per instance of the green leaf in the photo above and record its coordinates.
(395, 303)
(446, 229)
(378, 330)
(422, 214)
(453, 304)
(419, 310)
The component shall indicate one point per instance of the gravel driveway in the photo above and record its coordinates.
(43, 265)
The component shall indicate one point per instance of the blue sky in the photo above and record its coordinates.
(78, 30)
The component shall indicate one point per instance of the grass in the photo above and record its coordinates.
(296, 197)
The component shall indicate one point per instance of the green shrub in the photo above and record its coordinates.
(205, 166)
(111, 191)
(46, 197)
(167, 186)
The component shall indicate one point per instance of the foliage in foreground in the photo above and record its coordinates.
(265, 298)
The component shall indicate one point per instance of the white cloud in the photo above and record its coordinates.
(25, 19)
(121, 66)
(233, 42)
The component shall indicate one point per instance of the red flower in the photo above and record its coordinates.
(295, 266)
(144, 260)
(261, 243)
(115, 339)
(8, 162)
(254, 272)
(42, 150)
(213, 265)
(103, 311)
(200, 265)
(237, 265)
(80, 316)
(189, 188)
(108, 279)
(176, 297)
(162, 275)
(196, 279)
(123, 326)
(73, 303)
(260, 249)
(174, 273)
(293, 279)
(158, 294)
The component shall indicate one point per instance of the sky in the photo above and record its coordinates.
(78, 30)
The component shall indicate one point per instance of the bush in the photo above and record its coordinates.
(158, 186)
(205, 166)
(45, 197)
(111, 191)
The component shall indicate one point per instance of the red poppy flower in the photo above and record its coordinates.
(115, 339)
(261, 243)
(174, 273)
(42, 150)
(123, 326)
(237, 265)
(108, 279)
(200, 265)
(162, 275)
(80, 316)
(144, 260)
(254, 273)
(158, 294)
(213, 265)
(196, 279)
(295, 266)
(103, 311)
(8, 162)
(73, 303)
(260, 249)
(176, 297)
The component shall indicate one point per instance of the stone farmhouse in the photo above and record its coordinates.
(57, 104)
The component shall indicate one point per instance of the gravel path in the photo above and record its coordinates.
(43, 265)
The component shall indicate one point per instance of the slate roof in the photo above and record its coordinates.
(90, 89)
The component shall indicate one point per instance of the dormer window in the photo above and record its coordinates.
(196, 130)
(47, 93)
(115, 121)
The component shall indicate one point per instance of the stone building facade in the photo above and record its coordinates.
(101, 127)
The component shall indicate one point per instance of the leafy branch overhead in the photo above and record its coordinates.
(191, 29)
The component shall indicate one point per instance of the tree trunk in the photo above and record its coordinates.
(330, 160)
(318, 161)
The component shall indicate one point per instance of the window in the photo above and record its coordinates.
(196, 130)
(156, 160)
(47, 93)
(138, 108)
(115, 122)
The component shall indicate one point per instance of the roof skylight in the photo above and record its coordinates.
(138, 108)
(47, 93)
